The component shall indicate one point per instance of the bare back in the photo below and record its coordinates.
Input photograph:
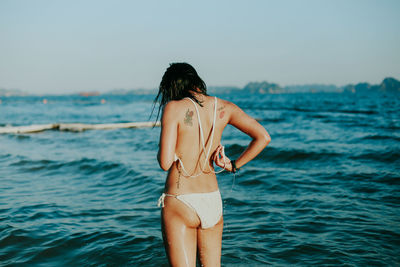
(189, 147)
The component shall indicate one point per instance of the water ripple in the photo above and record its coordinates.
(325, 192)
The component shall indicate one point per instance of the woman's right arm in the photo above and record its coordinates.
(168, 135)
(260, 137)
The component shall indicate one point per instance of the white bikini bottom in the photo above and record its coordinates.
(208, 206)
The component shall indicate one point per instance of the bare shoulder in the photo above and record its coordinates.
(178, 111)
(170, 105)
(222, 103)
(227, 106)
(170, 110)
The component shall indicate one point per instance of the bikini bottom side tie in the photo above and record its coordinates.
(208, 206)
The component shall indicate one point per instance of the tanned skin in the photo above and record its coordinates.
(180, 135)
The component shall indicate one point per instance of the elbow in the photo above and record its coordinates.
(266, 139)
(165, 166)
(165, 160)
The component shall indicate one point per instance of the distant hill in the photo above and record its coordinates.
(390, 85)
(273, 88)
(12, 92)
(222, 89)
(132, 91)
(306, 88)
(262, 88)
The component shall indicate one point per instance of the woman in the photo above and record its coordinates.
(191, 127)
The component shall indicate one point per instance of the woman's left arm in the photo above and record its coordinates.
(169, 132)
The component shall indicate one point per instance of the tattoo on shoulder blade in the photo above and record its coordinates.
(188, 117)
(222, 112)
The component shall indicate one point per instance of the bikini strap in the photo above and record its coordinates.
(183, 168)
(160, 201)
(201, 130)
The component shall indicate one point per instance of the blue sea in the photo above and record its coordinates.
(325, 192)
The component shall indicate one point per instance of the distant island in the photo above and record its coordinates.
(388, 85)
(12, 92)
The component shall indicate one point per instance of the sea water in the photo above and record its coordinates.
(326, 191)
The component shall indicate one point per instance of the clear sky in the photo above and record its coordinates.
(51, 46)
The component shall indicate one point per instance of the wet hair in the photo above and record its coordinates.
(180, 80)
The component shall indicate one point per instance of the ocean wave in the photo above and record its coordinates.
(83, 165)
(73, 127)
(317, 110)
(275, 120)
(283, 155)
(389, 156)
(390, 127)
(381, 137)
(354, 111)
(5, 157)
(324, 192)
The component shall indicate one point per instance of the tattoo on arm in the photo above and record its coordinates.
(188, 117)
(221, 112)
(178, 182)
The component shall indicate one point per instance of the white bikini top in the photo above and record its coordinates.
(202, 142)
